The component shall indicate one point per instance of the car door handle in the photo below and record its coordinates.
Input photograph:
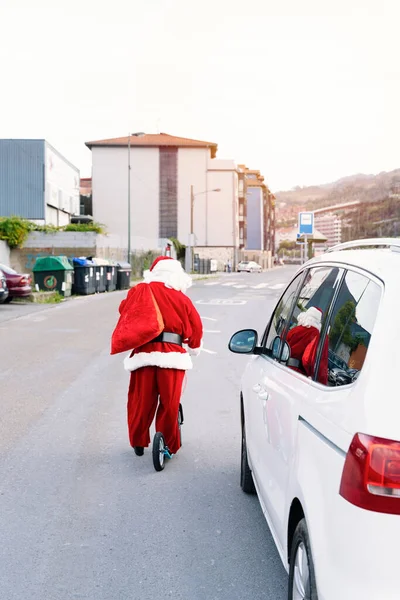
(257, 388)
(263, 395)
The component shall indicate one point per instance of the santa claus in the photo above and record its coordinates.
(303, 341)
(157, 320)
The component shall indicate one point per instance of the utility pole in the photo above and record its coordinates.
(129, 199)
(189, 249)
(191, 212)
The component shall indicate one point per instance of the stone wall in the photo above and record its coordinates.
(74, 244)
(4, 253)
(66, 243)
(220, 254)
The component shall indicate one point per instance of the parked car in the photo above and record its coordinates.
(3, 288)
(249, 267)
(19, 286)
(323, 453)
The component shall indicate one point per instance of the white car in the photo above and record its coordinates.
(321, 433)
(249, 266)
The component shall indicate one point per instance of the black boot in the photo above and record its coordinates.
(139, 450)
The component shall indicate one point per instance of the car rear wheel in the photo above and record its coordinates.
(246, 477)
(8, 300)
(302, 583)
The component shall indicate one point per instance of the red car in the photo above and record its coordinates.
(19, 286)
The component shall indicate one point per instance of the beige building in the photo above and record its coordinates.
(154, 174)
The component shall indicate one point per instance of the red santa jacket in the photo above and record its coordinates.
(179, 315)
(303, 342)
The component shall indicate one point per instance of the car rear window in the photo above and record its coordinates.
(8, 270)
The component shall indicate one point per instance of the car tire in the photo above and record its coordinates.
(8, 300)
(246, 476)
(302, 582)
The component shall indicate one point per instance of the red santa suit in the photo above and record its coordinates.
(158, 367)
(303, 341)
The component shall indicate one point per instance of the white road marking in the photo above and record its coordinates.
(212, 283)
(239, 287)
(211, 331)
(219, 302)
(208, 351)
(260, 286)
(208, 318)
(229, 284)
(277, 286)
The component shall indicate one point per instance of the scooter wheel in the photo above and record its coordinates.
(180, 422)
(158, 451)
(180, 414)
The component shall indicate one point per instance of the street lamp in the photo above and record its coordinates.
(188, 256)
(138, 134)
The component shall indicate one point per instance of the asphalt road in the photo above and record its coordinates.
(81, 517)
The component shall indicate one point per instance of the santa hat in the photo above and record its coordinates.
(170, 272)
(312, 317)
(158, 260)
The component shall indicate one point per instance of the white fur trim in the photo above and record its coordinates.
(164, 360)
(310, 318)
(195, 351)
(171, 274)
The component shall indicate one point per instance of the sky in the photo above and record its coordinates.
(307, 91)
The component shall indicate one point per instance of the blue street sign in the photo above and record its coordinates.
(306, 223)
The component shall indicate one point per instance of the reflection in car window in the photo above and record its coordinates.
(307, 321)
(350, 328)
(282, 312)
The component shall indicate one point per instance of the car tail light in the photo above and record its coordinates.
(371, 474)
(23, 281)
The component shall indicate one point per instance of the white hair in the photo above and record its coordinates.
(171, 274)
(311, 318)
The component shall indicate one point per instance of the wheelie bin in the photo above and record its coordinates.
(124, 276)
(101, 274)
(84, 277)
(112, 277)
(53, 274)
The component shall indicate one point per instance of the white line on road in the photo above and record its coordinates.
(208, 351)
(277, 286)
(239, 287)
(212, 283)
(220, 302)
(211, 331)
(259, 286)
(229, 284)
(208, 318)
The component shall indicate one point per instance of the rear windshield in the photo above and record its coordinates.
(7, 270)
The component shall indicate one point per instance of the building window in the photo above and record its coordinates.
(168, 193)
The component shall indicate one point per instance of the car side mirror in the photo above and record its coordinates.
(244, 342)
(280, 351)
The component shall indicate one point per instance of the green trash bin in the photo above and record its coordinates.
(54, 274)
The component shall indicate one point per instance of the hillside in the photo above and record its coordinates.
(365, 188)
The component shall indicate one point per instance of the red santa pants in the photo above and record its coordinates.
(149, 387)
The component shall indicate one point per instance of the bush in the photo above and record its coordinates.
(93, 227)
(140, 262)
(14, 231)
(180, 248)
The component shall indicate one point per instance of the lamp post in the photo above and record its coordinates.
(139, 134)
(189, 251)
